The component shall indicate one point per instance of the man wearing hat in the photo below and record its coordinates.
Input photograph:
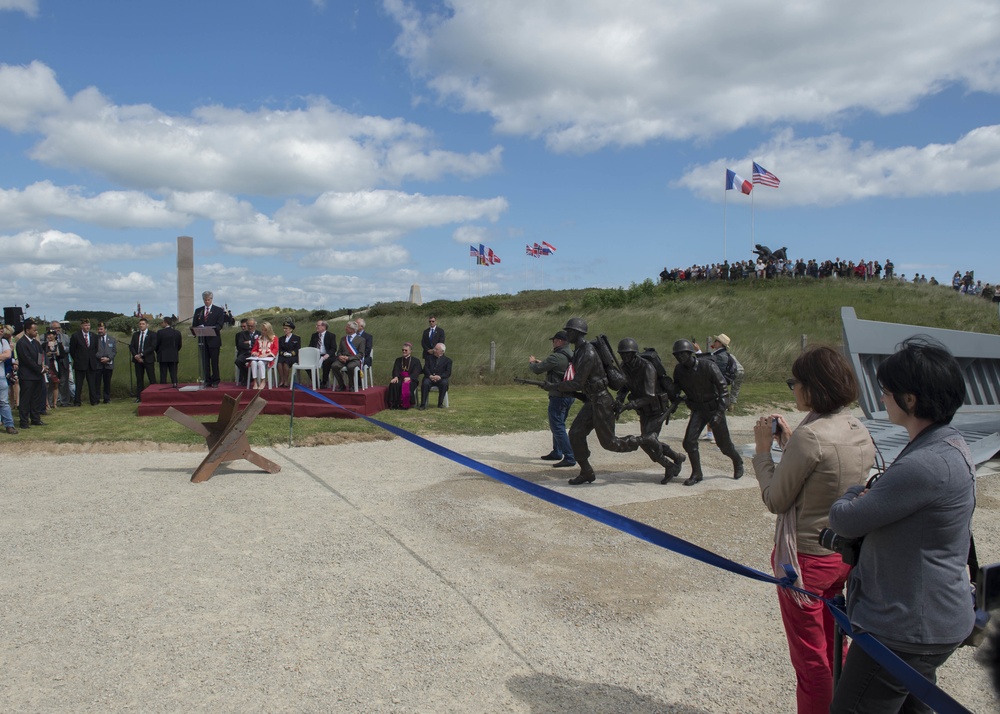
(730, 367)
(554, 367)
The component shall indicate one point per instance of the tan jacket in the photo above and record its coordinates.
(821, 460)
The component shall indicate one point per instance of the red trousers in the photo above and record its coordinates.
(809, 630)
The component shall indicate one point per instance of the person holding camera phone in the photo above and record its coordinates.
(910, 589)
(828, 452)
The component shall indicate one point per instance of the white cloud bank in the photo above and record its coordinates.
(588, 73)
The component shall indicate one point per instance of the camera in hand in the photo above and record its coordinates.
(849, 548)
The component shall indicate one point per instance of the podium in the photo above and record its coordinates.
(201, 332)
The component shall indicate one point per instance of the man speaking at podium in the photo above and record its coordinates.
(210, 316)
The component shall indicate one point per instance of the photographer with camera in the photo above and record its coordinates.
(828, 452)
(910, 588)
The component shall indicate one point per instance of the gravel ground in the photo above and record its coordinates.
(377, 577)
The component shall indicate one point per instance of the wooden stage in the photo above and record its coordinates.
(157, 398)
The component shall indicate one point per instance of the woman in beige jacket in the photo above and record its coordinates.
(828, 452)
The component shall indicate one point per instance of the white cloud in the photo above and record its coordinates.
(833, 169)
(132, 283)
(42, 201)
(385, 256)
(471, 235)
(28, 7)
(265, 152)
(338, 219)
(589, 73)
(53, 247)
(28, 94)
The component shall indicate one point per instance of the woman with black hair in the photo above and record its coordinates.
(910, 588)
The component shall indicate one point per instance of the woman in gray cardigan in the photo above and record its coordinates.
(910, 588)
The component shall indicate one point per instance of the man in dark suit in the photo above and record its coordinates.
(326, 342)
(143, 351)
(83, 350)
(432, 336)
(168, 351)
(30, 374)
(369, 340)
(215, 317)
(107, 350)
(437, 372)
(349, 355)
(246, 338)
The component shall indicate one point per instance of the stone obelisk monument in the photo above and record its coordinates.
(185, 277)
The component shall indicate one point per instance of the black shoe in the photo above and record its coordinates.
(39, 423)
(670, 472)
(738, 470)
(692, 480)
(551, 456)
(423, 407)
(564, 464)
(582, 478)
(76, 404)
(24, 426)
(440, 406)
(107, 401)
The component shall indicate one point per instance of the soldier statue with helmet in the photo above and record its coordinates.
(586, 375)
(704, 390)
(651, 396)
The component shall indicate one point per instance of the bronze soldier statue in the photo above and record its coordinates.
(586, 375)
(653, 402)
(704, 390)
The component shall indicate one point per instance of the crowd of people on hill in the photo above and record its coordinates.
(776, 265)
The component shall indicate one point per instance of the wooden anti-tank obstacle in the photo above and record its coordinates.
(226, 436)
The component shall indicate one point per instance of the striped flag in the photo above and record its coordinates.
(735, 181)
(765, 177)
(549, 246)
(472, 251)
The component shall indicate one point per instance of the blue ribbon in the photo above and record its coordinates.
(915, 682)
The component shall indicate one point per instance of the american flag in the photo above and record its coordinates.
(472, 251)
(763, 176)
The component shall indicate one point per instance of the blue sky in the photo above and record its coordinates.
(329, 154)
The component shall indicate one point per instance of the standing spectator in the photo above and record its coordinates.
(83, 350)
(6, 415)
(215, 317)
(554, 368)
(828, 452)
(288, 353)
(65, 382)
(910, 587)
(31, 375)
(143, 351)
(727, 363)
(54, 354)
(432, 336)
(437, 372)
(168, 351)
(326, 342)
(107, 350)
(369, 341)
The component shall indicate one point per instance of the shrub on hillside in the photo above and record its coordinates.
(121, 323)
(95, 316)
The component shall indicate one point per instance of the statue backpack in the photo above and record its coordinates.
(616, 378)
(663, 380)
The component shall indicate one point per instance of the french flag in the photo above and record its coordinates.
(734, 180)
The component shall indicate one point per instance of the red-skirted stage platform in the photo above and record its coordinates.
(158, 397)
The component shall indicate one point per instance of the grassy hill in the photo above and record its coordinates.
(767, 321)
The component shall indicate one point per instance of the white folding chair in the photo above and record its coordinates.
(434, 388)
(308, 361)
(368, 380)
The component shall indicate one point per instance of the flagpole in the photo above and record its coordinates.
(725, 204)
(753, 243)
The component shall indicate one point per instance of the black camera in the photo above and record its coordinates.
(849, 548)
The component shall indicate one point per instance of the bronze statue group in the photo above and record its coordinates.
(641, 383)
